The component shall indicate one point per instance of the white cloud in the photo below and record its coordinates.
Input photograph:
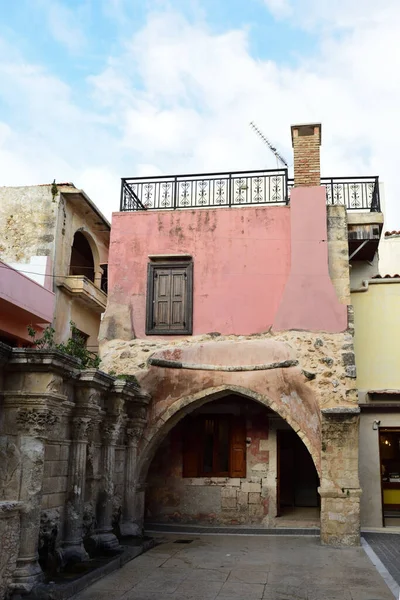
(179, 99)
(279, 8)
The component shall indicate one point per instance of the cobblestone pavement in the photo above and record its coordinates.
(387, 548)
(243, 568)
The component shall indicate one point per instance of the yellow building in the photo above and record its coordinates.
(377, 350)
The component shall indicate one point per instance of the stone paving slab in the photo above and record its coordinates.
(245, 568)
(387, 548)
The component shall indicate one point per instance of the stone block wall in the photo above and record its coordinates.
(215, 500)
(55, 482)
(9, 543)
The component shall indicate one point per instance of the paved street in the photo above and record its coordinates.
(387, 548)
(243, 568)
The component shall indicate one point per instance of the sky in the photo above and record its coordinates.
(95, 90)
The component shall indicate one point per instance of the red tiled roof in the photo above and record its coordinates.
(389, 233)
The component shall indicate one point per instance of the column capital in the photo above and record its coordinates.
(134, 430)
(82, 428)
(110, 430)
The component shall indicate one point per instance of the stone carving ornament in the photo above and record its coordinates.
(33, 421)
(134, 431)
(82, 428)
(110, 431)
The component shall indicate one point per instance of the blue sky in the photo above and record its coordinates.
(95, 90)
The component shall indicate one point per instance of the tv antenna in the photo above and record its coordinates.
(279, 157)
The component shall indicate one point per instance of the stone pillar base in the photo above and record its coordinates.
(71, 555)
(340, 517)
(129, 529)
(27, 574)
(103, 543)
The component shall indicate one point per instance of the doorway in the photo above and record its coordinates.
(297, 478)
(389, 451)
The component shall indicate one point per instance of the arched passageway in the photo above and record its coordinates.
(82, 261)
(231, 461)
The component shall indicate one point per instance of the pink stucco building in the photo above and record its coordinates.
(229, 300)
(23, 302)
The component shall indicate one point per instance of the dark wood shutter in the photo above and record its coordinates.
(169, 309)
(178, 299)
(238, 447)
(191, 447)
(170, 299)
(162, 298)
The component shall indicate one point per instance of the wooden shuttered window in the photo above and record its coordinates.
(214, 446)
(238, 447)
(169, 299)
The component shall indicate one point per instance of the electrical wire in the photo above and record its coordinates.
(43, 274)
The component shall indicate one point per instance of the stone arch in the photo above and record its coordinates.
(159, 429)
(81, 238)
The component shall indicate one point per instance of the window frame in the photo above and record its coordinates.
(152, 268)
(196, 431)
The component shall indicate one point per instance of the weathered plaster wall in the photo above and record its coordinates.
(87, 320)
(27, 223)
(218, 500)
(75, 215)
(33, 223)
(309, 301)
(241, 262)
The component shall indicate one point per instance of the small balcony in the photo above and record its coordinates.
(84, 290)
(240, 188)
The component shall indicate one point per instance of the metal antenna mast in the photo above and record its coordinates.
(270, 146)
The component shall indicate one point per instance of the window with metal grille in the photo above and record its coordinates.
(169, 298)
(214, 446)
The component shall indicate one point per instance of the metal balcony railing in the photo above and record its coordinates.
(240, 188)
(205, 190)
(355, 193)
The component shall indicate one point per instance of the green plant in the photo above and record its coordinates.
(128, 378)
(125, 376)
(75, 345)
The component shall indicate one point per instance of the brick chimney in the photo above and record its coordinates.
(306, 140)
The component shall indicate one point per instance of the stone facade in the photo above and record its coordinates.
(63, 452)
(315, 395)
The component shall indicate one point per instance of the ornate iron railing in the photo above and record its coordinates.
(205, 190)
(355, 193)
(262, 187)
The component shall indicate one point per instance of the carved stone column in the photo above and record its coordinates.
(90, 387)
(132, 516)
(33, 425)
(340, 488)
(104, 539)
(72, 548)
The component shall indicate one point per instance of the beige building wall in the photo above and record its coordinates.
(75, 215)
(41, 221)
(377, 351)
(377, 334)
